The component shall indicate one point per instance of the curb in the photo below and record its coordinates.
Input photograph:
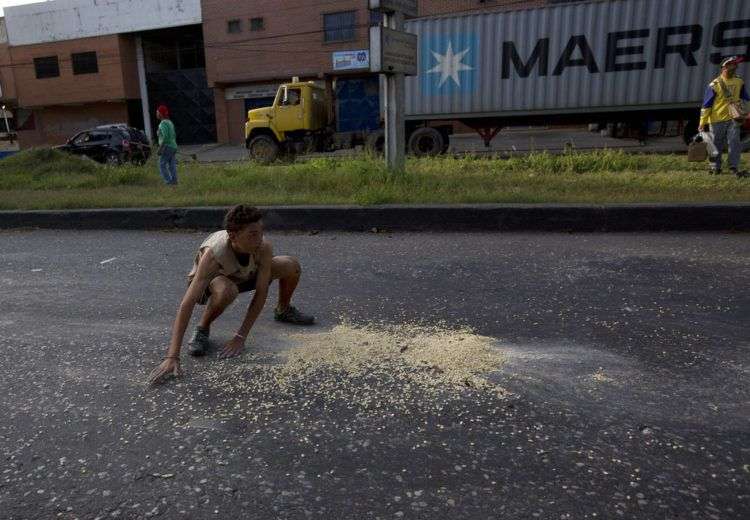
(479, 217)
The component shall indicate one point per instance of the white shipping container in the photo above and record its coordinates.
(592, 57)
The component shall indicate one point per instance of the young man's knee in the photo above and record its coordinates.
(294, 266)
(287, 266)
(226, 294)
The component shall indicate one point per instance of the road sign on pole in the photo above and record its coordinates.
(393, 51)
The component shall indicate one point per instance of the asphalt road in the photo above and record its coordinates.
(626, 375)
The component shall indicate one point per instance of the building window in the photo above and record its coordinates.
(339, 27)
(84, 63)
(256, 24)
(234, 26)
(47, 67)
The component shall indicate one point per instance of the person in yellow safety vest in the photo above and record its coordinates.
(724, 90)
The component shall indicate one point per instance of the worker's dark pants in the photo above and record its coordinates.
(726, 133)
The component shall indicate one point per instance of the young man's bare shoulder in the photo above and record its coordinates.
(207, 262)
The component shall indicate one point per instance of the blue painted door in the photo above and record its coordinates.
(357, 104)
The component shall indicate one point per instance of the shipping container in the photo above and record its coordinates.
(606, 62)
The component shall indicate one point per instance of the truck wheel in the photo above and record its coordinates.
(375, 143)
(426, 142)
(263, 149)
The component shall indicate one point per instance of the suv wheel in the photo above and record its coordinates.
(112, 159)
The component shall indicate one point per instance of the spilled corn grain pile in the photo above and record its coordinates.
(434, 358)
(351, 370)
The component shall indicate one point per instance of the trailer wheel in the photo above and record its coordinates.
(263, 149)
(426, 142)
(375, 143)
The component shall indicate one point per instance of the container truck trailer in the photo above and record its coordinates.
(623, 62)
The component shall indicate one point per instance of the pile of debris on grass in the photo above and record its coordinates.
(44, 162)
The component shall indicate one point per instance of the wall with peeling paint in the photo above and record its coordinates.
(72, 19)
(3, 32)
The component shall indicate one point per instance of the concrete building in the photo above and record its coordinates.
(68, 65)
(80, 63)
(7, 84)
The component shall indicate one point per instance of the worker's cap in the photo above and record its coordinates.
(732, 59)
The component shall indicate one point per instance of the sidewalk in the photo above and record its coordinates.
(507, 142)
(405, 218)
(216, 152)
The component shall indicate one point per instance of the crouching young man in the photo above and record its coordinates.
(229, 262)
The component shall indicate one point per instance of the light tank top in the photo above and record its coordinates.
(230, 266)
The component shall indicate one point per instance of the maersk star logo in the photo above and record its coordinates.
(449, 65)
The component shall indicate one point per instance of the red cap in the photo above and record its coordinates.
(732, 59)
(163, 111)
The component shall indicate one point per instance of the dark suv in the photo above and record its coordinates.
(110, 144)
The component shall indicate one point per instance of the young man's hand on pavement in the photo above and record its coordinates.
(168, 367)
(233, 348)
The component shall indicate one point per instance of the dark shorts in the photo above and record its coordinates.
(246, 286)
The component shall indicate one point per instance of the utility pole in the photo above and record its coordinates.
(393, 54)
(140, 62)
(395, 129)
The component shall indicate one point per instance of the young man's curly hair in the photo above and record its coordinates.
(240, 216)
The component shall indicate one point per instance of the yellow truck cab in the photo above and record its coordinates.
(297, 122)
(301, 120)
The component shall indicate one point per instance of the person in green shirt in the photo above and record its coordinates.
(167, 146)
